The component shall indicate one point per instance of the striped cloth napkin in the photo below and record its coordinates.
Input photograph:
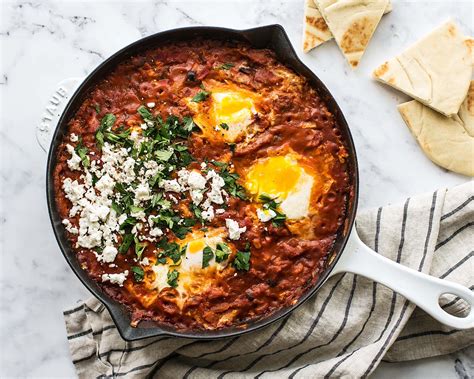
(344, 330)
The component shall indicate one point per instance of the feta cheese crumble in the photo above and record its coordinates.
(234, 230)
(108, 254)
(115, 278)
(265, 215)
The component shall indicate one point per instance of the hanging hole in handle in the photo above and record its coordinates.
(454, 305)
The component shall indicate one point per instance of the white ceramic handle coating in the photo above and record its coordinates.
(421, 289)
(53, 109)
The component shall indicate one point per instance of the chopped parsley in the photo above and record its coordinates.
(200, 96)
(171, 250)
(139, 247)
(172, 278)
(145, 113)
(81, 150)
(230, 180)
(138, 273)
(272, 204)
(224, 126)
(207, 255)
(126, 242)
(105, 125)
(222, 252)
(226, 66)
(97, 108)
(242, 261)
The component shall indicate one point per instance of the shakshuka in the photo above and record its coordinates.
(202, 184)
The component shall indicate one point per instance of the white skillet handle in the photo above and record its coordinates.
(53, 109)
(421, 289)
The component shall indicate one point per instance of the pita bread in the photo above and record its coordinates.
(466, 112)
(469, 41)
(435, 71)
(315, 30)
(352, 23)
(445, 140)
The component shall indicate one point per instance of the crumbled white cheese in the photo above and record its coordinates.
(105, 185)
(156, 232)
(234, 230)
(139, 214)
(215, 194)
(122, 218)
(74, 163)
(196, 180)
(108, 254)
(115, 278)
(74, 137)
(137, 227)
(151, 104)
(142, 192)
(183, 176)
(220, 211)
(69, 227)
(196, 196)
(265, 215)
(128, 173)
(170, 185)
(152, 168)
(74, 191)
(145, 262)
(208, 214)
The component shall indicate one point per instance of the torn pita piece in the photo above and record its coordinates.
(469, 41)
(315, 29)
(352, 23)
(435, 71)
(447, 141)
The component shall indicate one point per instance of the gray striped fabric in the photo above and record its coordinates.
(346, 329)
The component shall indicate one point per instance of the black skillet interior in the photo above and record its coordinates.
(272, 37)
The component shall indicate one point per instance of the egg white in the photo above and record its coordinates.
(227, 104)
(284, 179)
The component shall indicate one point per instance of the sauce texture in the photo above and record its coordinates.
(203, 184)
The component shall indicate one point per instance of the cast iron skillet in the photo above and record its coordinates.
(274, 38)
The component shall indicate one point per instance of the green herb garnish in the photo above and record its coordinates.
(226, 66)
(224, 126)
(222, 252)
(126, 242)
(207, 255)
(172, 278)
(242, 261)
(105, 125)
(145, 113)
(81, 150)
(271, 204)
(200, 96)
(230, 180)
(138, 273)
(139, 247)
(97, 108)
(171, 250)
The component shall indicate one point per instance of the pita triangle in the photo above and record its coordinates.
(352, 23)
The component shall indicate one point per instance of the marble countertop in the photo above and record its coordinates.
(43, 42)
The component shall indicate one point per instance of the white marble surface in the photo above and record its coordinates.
(43, 42)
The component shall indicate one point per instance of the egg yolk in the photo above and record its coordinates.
(231, 108)
(196, 246)
(273, 176)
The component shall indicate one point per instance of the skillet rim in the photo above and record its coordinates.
(271, 36)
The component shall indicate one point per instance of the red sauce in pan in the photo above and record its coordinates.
(275, 121)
